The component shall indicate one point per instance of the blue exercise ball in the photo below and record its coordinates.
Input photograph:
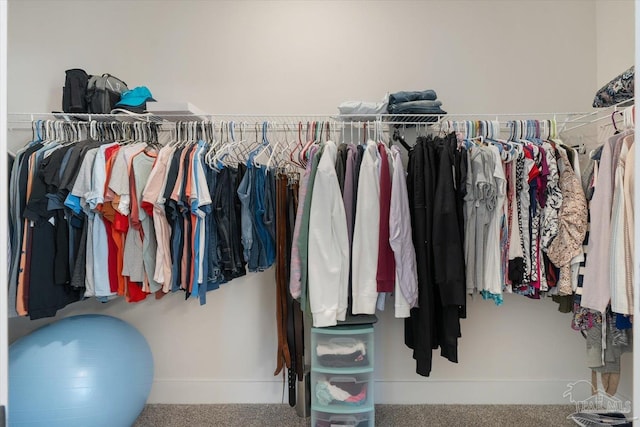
(88, 370)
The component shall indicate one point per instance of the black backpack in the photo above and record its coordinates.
(103, 92)
(74, 93)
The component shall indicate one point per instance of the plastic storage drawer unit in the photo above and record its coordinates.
(342, 376)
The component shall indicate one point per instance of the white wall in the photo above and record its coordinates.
(306, 57)
(615, 27)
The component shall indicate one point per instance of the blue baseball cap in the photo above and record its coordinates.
(135, 97)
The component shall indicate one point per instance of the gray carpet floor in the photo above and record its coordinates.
(386, 415)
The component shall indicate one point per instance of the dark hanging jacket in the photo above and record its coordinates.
(439, 252)
(448, 252)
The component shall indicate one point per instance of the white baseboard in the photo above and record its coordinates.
(476, 392)
(216, 391)
(493, 392)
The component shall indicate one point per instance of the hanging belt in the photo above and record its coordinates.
(283, 355)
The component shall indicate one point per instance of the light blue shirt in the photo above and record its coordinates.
(99, 232)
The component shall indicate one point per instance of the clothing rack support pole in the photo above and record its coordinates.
(564, 125)
(4, 214)
(636, 298)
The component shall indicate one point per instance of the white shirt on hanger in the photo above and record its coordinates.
(328, 245)
(366, 234)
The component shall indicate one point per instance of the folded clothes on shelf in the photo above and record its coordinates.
(617, 91)
(362, 108)
(417, 107)
(423, 102)
(407, 96)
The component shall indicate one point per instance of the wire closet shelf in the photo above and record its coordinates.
(565, 121)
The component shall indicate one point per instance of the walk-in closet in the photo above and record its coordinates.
(319, 213)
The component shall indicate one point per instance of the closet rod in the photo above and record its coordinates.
(337, 120)
(398, 120)
(250, 127)
(337, 117)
